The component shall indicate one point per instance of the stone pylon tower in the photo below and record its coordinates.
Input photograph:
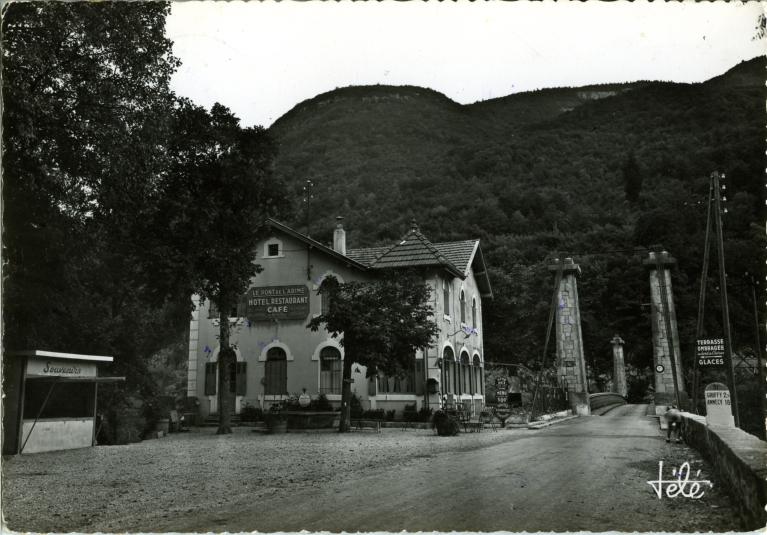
(571, 364)
(665, 336)
(619, 367)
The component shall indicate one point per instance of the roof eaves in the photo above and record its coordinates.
(314, 243)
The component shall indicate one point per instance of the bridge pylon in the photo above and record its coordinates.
(571, 364)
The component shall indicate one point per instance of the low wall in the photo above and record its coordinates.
(740, 462)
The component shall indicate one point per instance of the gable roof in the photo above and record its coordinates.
(314, 244)
(458, 253)
(413, 250)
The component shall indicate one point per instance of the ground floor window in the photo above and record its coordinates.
(449, 364)
(409, 383)
(276, 372)
(466, 385)
(330, 371)
(479, 386)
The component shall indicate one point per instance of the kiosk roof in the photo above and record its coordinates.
(58, 355)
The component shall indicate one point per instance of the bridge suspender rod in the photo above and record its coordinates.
(552, 310)
(702, 298)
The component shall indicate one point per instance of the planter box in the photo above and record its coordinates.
(276, 423)
(162, 426)
(313, 419)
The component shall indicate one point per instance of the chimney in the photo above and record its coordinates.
(339, 237)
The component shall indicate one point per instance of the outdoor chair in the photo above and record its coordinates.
(474, 424)
(486, 417)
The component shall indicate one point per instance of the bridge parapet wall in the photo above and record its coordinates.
(740, 462)
(602, 399)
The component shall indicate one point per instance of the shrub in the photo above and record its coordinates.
(373, 414)
(321, 404)
(447, 426)
(424, 414)
(390, 415)
(250, 413)
(355, 406)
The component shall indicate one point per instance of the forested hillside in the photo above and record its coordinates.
(591, 172)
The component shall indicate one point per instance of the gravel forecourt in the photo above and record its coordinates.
(123, 488)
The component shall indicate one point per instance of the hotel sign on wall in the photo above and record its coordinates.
(277, 302)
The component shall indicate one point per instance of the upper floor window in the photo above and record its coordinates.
(273, 248)
(474, 312)
(463, 307)
(446, 296)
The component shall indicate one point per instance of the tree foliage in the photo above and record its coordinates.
(380, 324)
(544, 174)
(120, 199)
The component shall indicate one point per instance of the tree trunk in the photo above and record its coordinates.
(346, 395)
(225, 360)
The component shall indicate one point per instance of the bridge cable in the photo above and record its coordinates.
(702, 297)
(552, 310)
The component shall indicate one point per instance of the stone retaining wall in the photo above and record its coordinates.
(740, 462)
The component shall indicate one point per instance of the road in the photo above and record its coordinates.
(587, 474)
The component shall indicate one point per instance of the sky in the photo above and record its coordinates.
(262, 58)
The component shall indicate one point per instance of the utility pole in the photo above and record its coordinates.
(308, 196)
(758, 348)
(715, 176)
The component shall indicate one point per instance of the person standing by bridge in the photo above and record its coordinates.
(674, 421)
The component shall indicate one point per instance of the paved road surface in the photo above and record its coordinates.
(588, 474)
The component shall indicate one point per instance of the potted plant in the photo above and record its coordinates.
(276, 420)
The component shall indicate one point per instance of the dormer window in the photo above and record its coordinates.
(273, 249)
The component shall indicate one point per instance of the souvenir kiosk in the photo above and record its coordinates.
(49, 400)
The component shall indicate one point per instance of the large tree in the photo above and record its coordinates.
(87, 107)
(380, 324)
(120, 199)
(215, 202)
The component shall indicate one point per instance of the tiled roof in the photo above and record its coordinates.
(413, 250)
(458, 253)
(368, 255)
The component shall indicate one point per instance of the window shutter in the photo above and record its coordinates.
(212, 310)
(241, 378)
(419, 377)
(242, 308)
(210, 378)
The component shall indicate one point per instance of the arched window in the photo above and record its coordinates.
(446, 296)
(463, 307)
(325, 302)
(276, 372)
(474, 312)
(479, 385)
(448, 358)
(465, 374)
(330, 371)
